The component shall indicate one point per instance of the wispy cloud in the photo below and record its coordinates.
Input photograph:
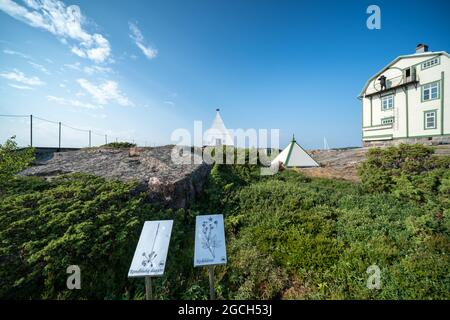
(96, 69)
(105, 92)
(19, 76)
(170, 103)
(39, 67)
(138, 38)
(64, 22)
(20, 87)
(71, 103)
(90, 70)
(73, 66)
(16, 53)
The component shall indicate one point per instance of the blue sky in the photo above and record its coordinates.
(141, 69)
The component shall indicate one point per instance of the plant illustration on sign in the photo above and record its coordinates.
(209, 239)
(148, 259)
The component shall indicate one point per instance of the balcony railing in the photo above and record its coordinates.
(395, 83)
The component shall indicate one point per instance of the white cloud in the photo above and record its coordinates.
(170, 103)
(39, 67)
(20, 87)
(64, 22)
(105, 92)
(75, 66)
(16, 53)
(138, 38)
(19, 76)
(96, 69)
(90, 70)
(72, 103)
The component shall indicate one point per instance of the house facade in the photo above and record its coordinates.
(408, 100)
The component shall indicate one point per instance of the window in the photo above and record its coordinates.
(387, 102)
(430, 91)
(389, 120)
(430, 63)
(430, 119)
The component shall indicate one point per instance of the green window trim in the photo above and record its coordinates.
(387, 119)
(430, 64)
(375, 126)
(434, 111)
(422, 86)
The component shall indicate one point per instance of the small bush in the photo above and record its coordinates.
(13, 159)
(119, 145)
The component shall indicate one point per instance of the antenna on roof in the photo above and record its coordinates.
(293, 138)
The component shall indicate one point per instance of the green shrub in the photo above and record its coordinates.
(288, 236)
(119, 145)
(13, 159)
(82, 220)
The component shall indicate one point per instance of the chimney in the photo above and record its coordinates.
(420, 48)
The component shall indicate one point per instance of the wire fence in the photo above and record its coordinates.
(34, 131)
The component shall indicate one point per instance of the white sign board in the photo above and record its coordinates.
(210, 246)
(151, 251)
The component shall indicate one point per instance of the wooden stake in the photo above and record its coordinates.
(212, 291)
(148, 288)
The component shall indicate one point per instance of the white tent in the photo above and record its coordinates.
(218, 134)
(294, 156)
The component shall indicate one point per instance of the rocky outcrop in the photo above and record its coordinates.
(175, 185)
(343, 163)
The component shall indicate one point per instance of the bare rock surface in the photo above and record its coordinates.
(175, 185)
(343, 163)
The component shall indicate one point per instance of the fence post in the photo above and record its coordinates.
(31, 130)
(89, 138)
(59, 139)
(106, 139)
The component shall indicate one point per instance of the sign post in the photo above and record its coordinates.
(210, 248)
(149, 259)
(212, 290)
(148, 288)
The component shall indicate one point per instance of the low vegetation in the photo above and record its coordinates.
(288, 236)
(119, 145)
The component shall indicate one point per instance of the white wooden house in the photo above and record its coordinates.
(408, 100)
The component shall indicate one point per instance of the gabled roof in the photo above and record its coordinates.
(295, 156)
(415, 55)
